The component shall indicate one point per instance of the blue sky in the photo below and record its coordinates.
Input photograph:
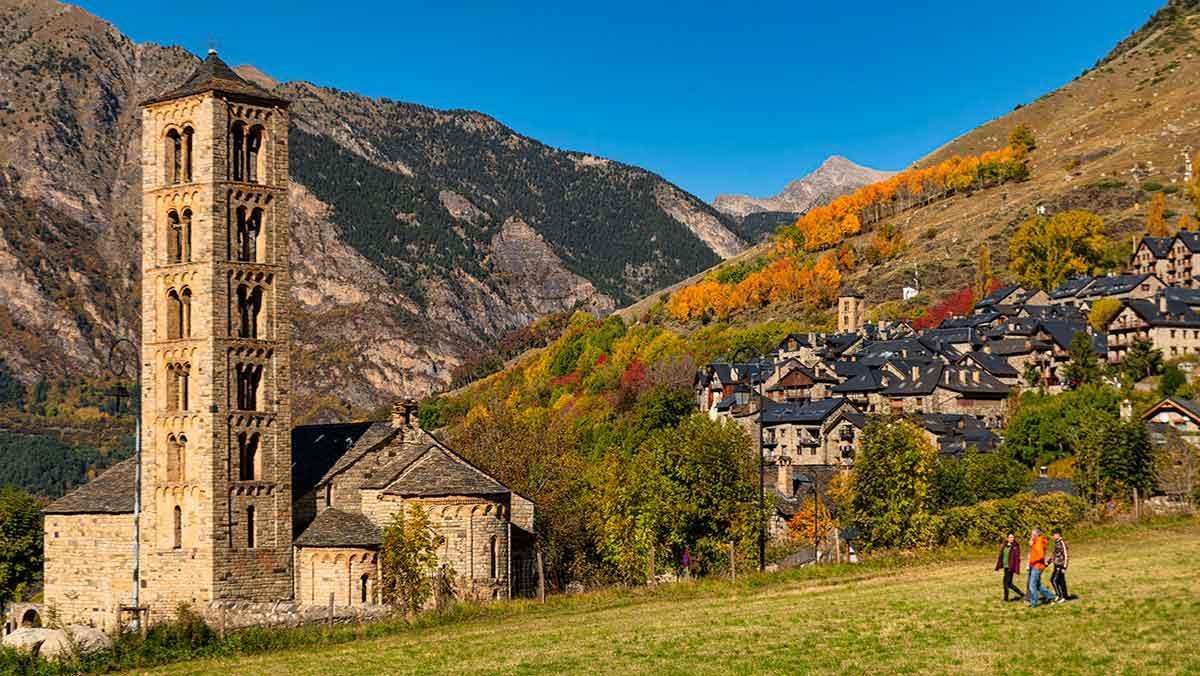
(715, 96)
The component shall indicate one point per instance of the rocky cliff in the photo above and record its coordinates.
(419, 235)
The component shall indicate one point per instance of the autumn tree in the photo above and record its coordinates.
(20, 542)
(1187, 223)
(892, 499)
(1102, 312)
(1084, 367)
(1021, 139)
(983, 274)
(1156, 222)
(1044, 252)
(408, 559)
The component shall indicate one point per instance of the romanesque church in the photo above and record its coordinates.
(235, 503)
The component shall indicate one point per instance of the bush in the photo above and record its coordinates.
(991, 520)
(1152, 186)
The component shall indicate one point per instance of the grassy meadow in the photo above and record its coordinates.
(1138, 611)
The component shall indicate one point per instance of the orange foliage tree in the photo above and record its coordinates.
(1156, 222)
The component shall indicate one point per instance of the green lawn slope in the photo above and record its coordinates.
(1138, 612)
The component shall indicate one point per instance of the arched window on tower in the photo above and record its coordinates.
(237, 151)
(174, 315)
(250, 527)
(171, 399)
(175, 458)
(249, 463)
(178, 540)
(363, 583)
(175, 238)
(185, 246)
(187, 154)
(185, 300)
(249, 380)
(249, 306)
(174, 156)
(182, 372)
(253, 235)
(254, 142)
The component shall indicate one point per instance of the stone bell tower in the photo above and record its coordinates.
(216, 497)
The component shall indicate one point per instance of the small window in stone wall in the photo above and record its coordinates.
(250, 527)
(493, 556)
(363, 583)
(178, 540)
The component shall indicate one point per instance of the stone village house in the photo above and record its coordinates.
(237, 506)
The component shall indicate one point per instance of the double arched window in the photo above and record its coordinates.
(249, 383)
(249, 311)
(247, 235)
(246, 156)
(179, 314)
(249, 460)
(178, 155)
(179, 236)
(177, 386)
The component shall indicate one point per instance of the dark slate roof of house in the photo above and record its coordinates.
(1011, 346)
(800, 413)
(439, 472)
(860, 379)
(800, 338)
(1159, 246)
(337, 528)
(837, 343)
(1177, 313)
(993, 364)
(1062, 333)
(318, 448)
(956, 432)
(1114, 285)
(973, 320)
(1071, 287)
(972, 381)
(1190, 239)
(997, 296)
(109, 493)
(1182, 295)
(214, 75)
(927, 377)
(1188, 405)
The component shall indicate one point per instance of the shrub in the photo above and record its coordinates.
(1152, 186)
(991, 520)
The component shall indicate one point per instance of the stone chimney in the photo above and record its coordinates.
(404, 414)
(916, 373)
(1126, 409)
(975, 377)
(783, 479)
(1162, 303)
(1042, 472)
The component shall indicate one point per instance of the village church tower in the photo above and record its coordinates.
(216, 420)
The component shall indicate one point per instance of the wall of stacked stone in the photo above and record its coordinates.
(89, 567)
(234, 615)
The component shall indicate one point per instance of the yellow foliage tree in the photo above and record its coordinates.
(1103, 310)
(983, 275)
(1156, 222)
(1186, 223)
(1043, 252)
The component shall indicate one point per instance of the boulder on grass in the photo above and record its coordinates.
(59, 643)
(32, 640)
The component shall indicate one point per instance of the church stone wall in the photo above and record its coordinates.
(338, 573)
(89, 567)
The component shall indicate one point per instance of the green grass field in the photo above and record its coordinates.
(1138, 612)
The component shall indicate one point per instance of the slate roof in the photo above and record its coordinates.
(337, 528)
(993, 364)
(1159, 246)
(1113, 286)
(812, 412)
(957, 432)
(438, 472)
(318, 448)
(1189, 406)
(997, 296)
(1190, 239)
(1071, 287)
(1185, 296)
(1177, 313)
(1045, 485)
(858, 379)
(109, 493)
(214, 75)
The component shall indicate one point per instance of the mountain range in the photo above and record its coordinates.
(419, 236)
(760, 215)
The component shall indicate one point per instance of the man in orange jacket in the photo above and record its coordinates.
(1037, 563)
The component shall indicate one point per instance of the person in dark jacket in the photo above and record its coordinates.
(1009, 561)
(1058, 579)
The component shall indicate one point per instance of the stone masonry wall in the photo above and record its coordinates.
(89, 567)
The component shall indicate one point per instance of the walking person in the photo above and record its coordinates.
(1037, 563)
(1010, 562)
(1060, 557)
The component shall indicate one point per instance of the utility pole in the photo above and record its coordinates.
(118, 391)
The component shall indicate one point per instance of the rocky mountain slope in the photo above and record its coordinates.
(835, 177)
(418, 235)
